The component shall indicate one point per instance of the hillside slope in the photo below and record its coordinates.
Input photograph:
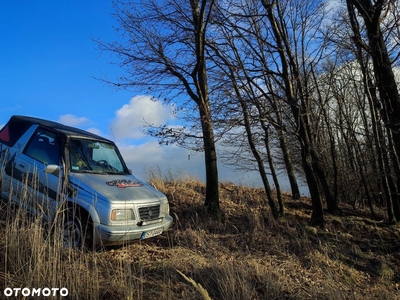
(249, 255)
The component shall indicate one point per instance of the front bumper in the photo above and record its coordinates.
(121, 234)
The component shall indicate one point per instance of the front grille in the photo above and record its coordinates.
(149, 212)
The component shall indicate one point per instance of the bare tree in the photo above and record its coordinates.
(162, 52)
(295, 64)
(374, 13)
(272, 68)
(244, 55)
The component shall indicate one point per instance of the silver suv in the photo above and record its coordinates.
(79, 179)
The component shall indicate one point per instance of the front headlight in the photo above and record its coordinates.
(122, 215)
(165, 208)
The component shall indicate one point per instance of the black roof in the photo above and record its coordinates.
(17, 126)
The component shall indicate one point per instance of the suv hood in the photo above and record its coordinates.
(115, 187)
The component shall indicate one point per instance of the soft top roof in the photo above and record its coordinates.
(17, 126)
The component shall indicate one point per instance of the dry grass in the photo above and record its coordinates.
(247, 256)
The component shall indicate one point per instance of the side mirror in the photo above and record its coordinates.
(52, 169)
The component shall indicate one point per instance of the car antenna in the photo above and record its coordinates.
(112, 134)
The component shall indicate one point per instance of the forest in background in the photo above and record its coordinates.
(304, 88)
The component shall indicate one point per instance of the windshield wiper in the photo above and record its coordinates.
(114, 173)
(84, 171)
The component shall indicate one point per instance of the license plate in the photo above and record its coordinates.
(151, 233)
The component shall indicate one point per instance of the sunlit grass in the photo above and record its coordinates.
(250, 255)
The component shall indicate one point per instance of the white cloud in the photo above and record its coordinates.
(73, 120)
(80, 122)
(131, 117)
(95, 131)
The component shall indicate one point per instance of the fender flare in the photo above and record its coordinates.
(88, 207)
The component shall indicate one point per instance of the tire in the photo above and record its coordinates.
(73, 228)
(71, 231)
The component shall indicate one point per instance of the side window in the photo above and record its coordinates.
(44, 147)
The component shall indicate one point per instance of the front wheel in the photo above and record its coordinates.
(72, 231)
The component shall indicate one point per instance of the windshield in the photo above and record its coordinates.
(92, 156)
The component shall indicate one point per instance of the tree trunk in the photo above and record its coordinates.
(210, 156)
(199, 75)
(260, 163)
(273, 172)
(288, 161)
(317, 216)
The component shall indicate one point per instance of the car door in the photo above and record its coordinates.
(36, 189)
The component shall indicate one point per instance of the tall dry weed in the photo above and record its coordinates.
(34, 256)
(249, 255)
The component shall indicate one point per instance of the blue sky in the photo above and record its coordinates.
(49, 62)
